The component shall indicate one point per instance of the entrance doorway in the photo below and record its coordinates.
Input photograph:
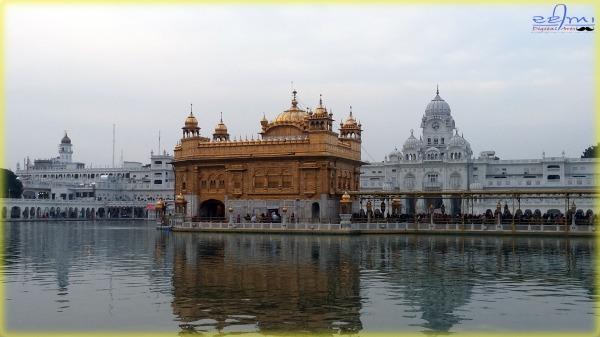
(315, 214)
(212, 208)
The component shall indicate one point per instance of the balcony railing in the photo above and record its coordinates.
(432, 185)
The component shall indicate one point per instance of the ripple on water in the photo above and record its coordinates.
(222, 283)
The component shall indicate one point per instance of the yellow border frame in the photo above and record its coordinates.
(3, 5)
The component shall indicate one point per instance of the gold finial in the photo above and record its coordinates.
(346, 197)
(437, 92)
(320, 100)
(294, 101)
(221, 116)
(191, 108)
(351, 111)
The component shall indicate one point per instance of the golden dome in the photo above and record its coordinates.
(160, 203)
(180, 199)
(320, 111)
(293, 114)
(264, 122)
(191, 121)
(221, 128)
(350, 121)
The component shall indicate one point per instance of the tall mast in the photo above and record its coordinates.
(113, 153)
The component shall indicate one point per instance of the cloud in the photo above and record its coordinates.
(85, 68)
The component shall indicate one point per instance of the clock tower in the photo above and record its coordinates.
(438, 127)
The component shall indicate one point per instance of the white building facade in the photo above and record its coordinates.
(61, 178)
(441, 160)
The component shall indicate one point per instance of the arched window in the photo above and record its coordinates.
(455, 180)
(409, 181)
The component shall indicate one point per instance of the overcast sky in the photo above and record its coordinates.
(139, 67)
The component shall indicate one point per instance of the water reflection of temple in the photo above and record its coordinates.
(272, 283)
(437, 274)
(303, 283)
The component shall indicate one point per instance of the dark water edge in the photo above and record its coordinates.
(123, 276)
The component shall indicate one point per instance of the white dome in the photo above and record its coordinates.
(395, 155)
(412, 142)
(437, 106)
(457, 141)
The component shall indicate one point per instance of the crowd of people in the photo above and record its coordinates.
(262, 217)
(489, 217)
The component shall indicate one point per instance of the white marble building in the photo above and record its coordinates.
(62, 179)
(442, 160)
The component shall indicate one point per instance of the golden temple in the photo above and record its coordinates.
(297, 162)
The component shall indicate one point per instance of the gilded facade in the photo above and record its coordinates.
(297, 161)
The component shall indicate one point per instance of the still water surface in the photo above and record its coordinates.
(127, 276)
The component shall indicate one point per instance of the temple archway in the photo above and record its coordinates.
(15, 212)
(315, 213)
(212, 208)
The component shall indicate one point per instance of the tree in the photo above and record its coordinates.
(11, 186)
(591, 152)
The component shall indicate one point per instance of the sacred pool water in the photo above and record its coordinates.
(126, 276)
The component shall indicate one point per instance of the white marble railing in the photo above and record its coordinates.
(393, 226)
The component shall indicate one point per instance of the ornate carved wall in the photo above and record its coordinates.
(298, 157)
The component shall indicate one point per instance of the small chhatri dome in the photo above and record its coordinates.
(456, 140)
(293, 114)
(320, 111)
(412, 142)
(180, 199)
(395, 153)
(437, 106)
(65, 139)
(160, 203)
(264, 120)
(350, 121)
(191, 121)
(221, 128)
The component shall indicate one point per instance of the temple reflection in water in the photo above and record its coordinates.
(276, 282)
(236, 283)
(320, 284)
